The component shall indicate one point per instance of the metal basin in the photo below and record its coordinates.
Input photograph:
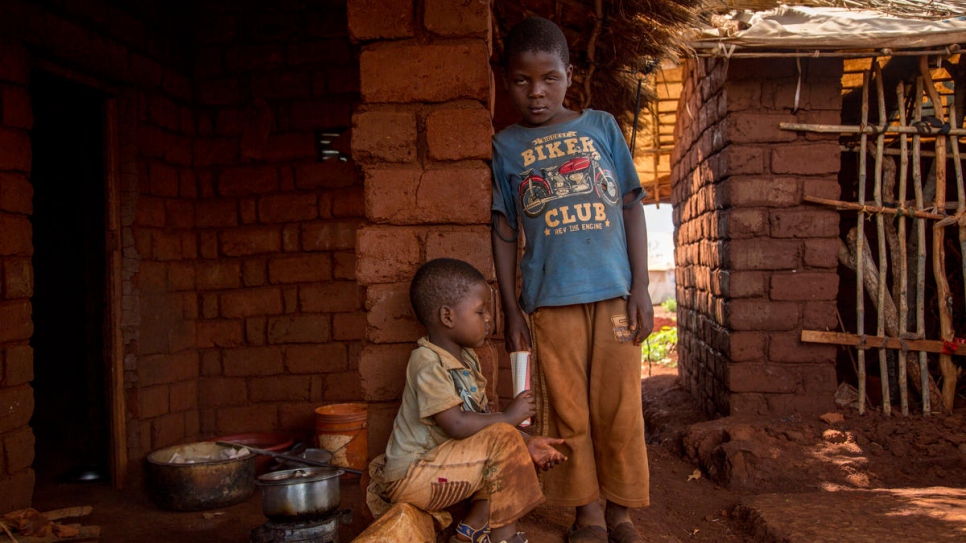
(302, 493)
(207, 483)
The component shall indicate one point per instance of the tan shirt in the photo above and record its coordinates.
(429, 390)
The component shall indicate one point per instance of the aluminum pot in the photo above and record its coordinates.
(207, 482)
(302, 493)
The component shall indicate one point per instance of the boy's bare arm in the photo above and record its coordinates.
(640, 312)
(516, 333)
(462, 424)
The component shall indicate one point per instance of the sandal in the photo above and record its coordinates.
(587, 534)
(476, 536)
(624, 532)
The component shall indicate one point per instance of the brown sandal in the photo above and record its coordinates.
(587, 534)
(624, 532)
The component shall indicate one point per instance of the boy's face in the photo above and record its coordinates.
(471, 317)
(537, 82)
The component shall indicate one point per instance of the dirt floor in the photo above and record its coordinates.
(840, 477)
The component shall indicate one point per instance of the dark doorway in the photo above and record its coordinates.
(70, 418)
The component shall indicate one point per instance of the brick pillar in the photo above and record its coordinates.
(16, 282)
(422, 134)
(755, 265)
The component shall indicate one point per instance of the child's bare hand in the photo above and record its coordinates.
(640, 315)
(521, 408)
(544, 455)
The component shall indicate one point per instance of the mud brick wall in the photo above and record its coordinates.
(16, 281)
(422, 136)
(755, 265)
(280, 316)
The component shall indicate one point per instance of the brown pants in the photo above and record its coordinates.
(492, 464)
(588, 390)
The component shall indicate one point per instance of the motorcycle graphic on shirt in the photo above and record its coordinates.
(578, 175)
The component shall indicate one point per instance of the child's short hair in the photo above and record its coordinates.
(536, 34)
(439, 282)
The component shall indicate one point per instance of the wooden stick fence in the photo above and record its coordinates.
(896, 245)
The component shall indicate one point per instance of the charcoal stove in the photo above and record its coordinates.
(324, 529)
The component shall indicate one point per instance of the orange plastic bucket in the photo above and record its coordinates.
(341, 429)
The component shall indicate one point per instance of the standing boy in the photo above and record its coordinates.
(445, 446)
(567, 177)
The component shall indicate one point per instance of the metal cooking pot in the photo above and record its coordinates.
(302, 493)
(207, 482)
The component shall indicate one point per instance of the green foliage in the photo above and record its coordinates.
(659, 345)
(670, 304)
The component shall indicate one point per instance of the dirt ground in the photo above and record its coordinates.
(842, 477)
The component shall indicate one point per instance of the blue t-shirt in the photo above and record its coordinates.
(565, 184)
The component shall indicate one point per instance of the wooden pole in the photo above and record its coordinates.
(921, 129)
(878, 342)
(860, 244)
(839, 204)
(880, 234)
(903, 250)
(946, 366)
(920, 252)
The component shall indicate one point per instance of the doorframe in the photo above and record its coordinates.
(113, 339)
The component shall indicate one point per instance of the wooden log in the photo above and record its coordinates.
(923, 129)
(881, 238)
(878, 342)
(839, 204)
(68, 512)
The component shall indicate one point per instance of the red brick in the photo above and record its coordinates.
(303, 268)
(254, 418)
(762, 254)
(344, 265)
(329, 236)
(390, 316)
(150, 211)
(159, 369)
(216, 213)
(16, 109)
(19, 449)
(822, 253)
(804, 286)
(414, 197)
(166, 245)
(162, 179)
(330, 111)
(255, 330)
(17, 489)
(221, 391)
(215, 151)
(14, 67)
(254, 273)
(349, 326)
(392, 254)
(328, 174)
(815, 159)
(18, 278)
(248, 180)
(743, 95)
(745, 284)
(16, 193)
(382, 369)
(280, 388)
(746, 346)
(252, 361)
(459, 133)
(764, 378)
(18, 365)
(14, 150)
(337, 297)
(167, 430)
(250, 240)
(16, 323)
(754, 314)
(339, 79)
(250, 302)
(280, 208)
(180, 214)
(280, 85)
(181, 276)
(18, 405)
(425, 73)
(219, 274)
(220, 333)
(745, 222)
(289, 146)
(790, 348)
(299, 418)
(350, 202)
(806, 222)
(299, 329)
(758, 192)
(381, 19)
(153, 401)
(17, 235)
(448, 18)
(471, 244)
(219, 92)
(312, 359)
(820, 315)
(384, 136)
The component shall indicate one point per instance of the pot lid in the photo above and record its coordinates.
(299, 475)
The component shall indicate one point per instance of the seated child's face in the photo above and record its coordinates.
(472, 317)
(537, 82)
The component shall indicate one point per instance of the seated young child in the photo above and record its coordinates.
(445, 445)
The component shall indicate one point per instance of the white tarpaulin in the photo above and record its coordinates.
(801, 27)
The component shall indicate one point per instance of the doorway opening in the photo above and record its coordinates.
(71, 362)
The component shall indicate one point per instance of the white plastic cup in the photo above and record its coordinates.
(520, 368)
(520, 373)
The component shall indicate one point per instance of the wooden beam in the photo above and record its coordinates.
(877, 342)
